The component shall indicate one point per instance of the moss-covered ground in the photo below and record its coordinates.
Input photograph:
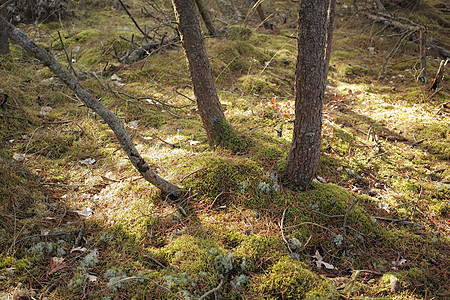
(77, 220)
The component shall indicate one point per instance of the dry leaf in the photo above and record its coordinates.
(56, 264)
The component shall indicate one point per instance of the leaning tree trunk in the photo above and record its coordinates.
(304, 154)
(208, 103)
(4, 40)
(111, 119)
(206, 16)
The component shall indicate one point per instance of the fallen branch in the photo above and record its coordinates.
(84, 95)
(439, 76)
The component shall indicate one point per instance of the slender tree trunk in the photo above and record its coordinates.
(114, 123)
(262, 15)
(206, 16)
(304, 154)
(423, 56)
(4, 40)
(208, 103)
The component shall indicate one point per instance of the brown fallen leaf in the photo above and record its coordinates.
(56, 264)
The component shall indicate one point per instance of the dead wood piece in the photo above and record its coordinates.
(149, 49)
(439, 76)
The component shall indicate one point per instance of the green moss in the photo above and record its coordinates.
(88, 35)
(291, 279)
(230, 139)
(6, 262)
(257, 84)
(223, 175)
(238, 32)
(22, 265)
(253, 251)
(351, 70)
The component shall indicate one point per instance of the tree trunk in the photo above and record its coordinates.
(262, 15)
(208, 103)
(4, 40)
(206, 16)
(304, 154)
(114, 123)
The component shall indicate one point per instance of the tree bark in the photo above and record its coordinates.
(208, 103)
(4, 40)
(112, 120)
(304, 154)
(206, 17)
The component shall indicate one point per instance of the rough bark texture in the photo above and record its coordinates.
(114, 123)
(4, 40)
(206, 16)
(304, 154)
(208, 103)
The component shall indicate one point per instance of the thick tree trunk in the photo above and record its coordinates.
(114, 123)
(4, 40)
(304, 154)
(206, 16)
(208, 103)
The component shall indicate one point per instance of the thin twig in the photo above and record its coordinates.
(309, 223)
(344, 230)
(190, 174)
(134, 21)
(69, 60)
(400, 221)
(282, 232)
(212, 291)
(45, 235)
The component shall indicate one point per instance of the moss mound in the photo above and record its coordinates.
(291, 279)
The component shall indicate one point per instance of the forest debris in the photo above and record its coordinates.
(88, 161)
(56, 264)
(439, 76)
(319, 261)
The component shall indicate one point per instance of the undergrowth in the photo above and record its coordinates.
(78, 221)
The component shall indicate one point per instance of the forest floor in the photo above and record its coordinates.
(78, 221)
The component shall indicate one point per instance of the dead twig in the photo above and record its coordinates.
(69, 59)
(399, 221)
(190, 174)
(282, 232)
(44, 235)
(212, 291)
(134, 21)
(344, 227)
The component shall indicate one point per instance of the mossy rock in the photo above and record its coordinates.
(291, 279)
